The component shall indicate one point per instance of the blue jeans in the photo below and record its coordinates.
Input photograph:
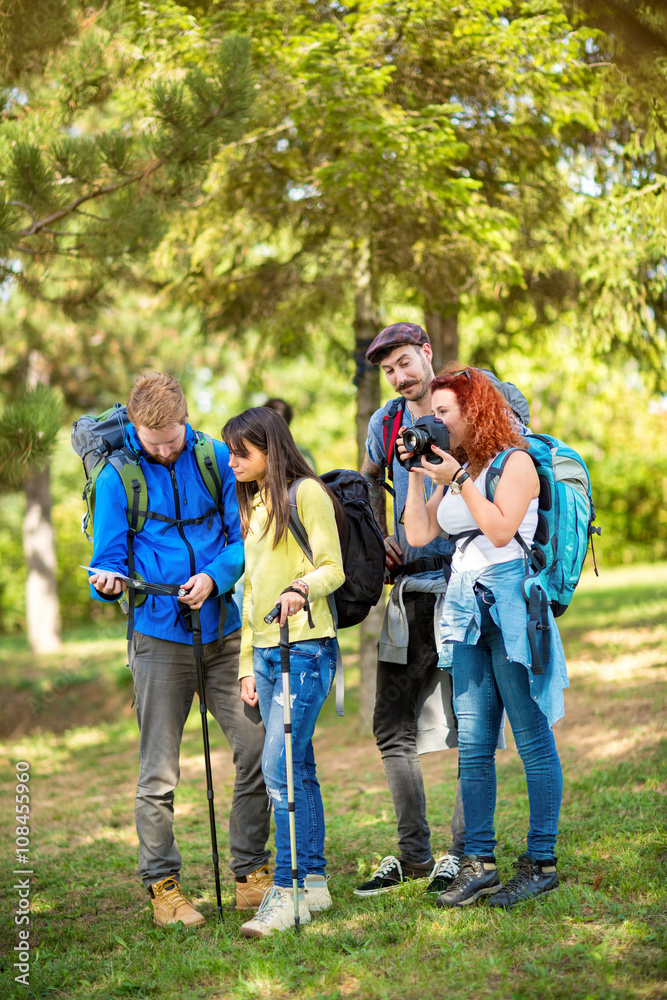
(484, 682)
(312, 670)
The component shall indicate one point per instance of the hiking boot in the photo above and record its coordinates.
(532, 878)
(317, 893)
(276, 913)
(393, 873)
(476, 877)
(446, 869)
(251, 888)
(170, 905)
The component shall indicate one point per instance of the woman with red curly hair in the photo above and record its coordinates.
(483, 631)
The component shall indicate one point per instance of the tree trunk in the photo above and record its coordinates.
(366, 328)
(42, 610)
(442, 328)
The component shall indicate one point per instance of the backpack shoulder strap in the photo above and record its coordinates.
(295, 522)
(207, 463)
(298, 530)
(128, 467)
(496, 470)
(391, 425)
(126, 464)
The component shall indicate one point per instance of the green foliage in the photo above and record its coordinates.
(28, 430)
(98, 148)
(30, 30)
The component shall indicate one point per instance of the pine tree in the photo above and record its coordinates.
(100, 146)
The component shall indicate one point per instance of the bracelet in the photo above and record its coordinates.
(301, 583)
(453, 479)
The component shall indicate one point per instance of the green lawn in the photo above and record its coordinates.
(600, 937)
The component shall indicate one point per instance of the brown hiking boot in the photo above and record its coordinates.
(170, 905)
(250, 888)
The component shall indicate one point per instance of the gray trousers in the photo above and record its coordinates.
(398, 694)
(165, 681)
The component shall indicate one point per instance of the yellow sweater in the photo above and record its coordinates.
(269, 571)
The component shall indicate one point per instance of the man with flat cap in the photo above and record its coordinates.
(410, 688)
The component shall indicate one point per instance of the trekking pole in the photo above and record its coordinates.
(289, 764)
(193, 625)
(193, 614)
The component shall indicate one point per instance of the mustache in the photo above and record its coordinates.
(406, 385)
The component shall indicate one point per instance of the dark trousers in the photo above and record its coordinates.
(399, 690)
(165, 682)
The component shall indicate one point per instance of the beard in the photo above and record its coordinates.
(418, 389)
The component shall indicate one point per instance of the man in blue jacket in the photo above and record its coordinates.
(186, 540)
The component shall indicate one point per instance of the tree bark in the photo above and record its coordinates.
(442, 328)
(366, 328)
(42, 610)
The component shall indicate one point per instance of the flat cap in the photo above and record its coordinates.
(394, 336)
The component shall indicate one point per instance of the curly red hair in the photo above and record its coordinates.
(492, 427)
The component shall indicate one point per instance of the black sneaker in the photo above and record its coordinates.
(446, 870)
(533, 878)
(391, 874)
(477, 877)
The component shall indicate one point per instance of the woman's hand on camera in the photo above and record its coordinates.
(400, 447)
(440, 474)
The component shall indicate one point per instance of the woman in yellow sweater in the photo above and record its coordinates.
(265, 461)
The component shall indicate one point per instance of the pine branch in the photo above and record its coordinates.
(28, 431)
(39, 225)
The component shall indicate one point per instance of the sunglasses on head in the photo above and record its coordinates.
(464, 371)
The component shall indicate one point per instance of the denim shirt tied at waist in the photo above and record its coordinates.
(461, 621)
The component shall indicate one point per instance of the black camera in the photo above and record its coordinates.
(427, 431)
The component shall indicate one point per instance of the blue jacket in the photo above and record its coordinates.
(175, 554)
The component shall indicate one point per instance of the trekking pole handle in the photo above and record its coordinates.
(272, 615)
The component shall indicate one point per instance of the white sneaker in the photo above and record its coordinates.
(276, 912)
(446, 870)
(317, 892)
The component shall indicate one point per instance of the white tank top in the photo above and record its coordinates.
(454, 517)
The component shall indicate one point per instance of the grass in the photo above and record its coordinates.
(600, 937)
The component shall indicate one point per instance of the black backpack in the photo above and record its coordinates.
(362, 549)
(361, 543)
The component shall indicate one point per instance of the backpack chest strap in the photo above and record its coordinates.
(180, 522)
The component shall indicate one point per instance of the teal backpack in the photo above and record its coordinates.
(562, 537)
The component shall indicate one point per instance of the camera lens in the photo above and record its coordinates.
(410, 439)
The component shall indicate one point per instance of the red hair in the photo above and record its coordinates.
(491, 425)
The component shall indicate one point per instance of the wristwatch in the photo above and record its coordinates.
(456, 484)
(301, 583)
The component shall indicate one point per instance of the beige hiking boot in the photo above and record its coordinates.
(251, 890)
(317, 893)
(170, 905)
(276, 913)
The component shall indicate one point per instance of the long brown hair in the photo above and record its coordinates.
(491, 425)
(265, 429)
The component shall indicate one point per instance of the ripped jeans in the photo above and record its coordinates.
(312, 670)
